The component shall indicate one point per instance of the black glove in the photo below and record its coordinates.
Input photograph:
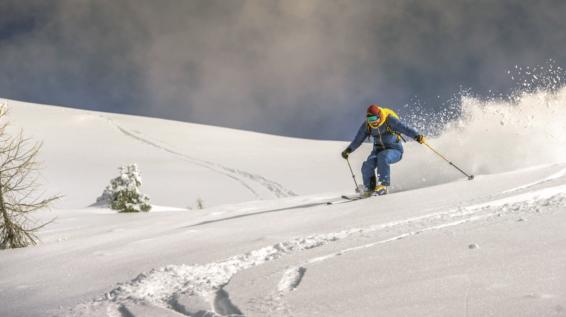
(346, 152)
(420, 138)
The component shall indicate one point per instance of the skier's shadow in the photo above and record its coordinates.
(256, 213)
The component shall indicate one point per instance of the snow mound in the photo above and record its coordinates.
(291, 279)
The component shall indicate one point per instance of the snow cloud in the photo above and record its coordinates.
(293, 67)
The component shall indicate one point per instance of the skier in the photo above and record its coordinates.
(384, 126)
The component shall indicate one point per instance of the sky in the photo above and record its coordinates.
(292, 67)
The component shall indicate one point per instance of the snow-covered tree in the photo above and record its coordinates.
(18, 185)
(123, 193)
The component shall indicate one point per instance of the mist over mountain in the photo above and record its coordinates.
(295, 68)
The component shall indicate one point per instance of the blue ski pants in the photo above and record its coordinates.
(380, 160)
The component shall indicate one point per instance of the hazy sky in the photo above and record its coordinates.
(291, 67)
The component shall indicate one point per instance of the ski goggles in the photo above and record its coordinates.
(372, 119)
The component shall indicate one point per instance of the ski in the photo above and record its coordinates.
(343, 199)
(358, 197)
(353, 197)
(347, 199)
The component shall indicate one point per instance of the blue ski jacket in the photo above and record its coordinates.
(385, 136)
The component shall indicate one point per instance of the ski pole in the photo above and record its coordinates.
(353, 175)
(470, 177)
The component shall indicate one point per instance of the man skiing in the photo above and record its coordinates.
(384, 126)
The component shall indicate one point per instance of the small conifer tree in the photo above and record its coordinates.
(123, 193)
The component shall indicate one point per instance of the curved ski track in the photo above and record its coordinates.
(238, 175)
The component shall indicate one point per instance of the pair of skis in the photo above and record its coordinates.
(360, 194)
(349, 198)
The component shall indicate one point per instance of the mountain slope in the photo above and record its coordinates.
(268, 244)
(192, 161)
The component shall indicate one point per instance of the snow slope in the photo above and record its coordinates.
(270, 245)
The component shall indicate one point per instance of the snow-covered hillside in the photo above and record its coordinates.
(276, 239)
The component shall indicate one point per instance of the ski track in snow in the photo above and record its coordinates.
(552, 177)
(497, 208)
(162, 286)
(239, 176)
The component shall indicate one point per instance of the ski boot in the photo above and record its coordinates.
(380, 190)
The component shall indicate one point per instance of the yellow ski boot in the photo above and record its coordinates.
(380, 190)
